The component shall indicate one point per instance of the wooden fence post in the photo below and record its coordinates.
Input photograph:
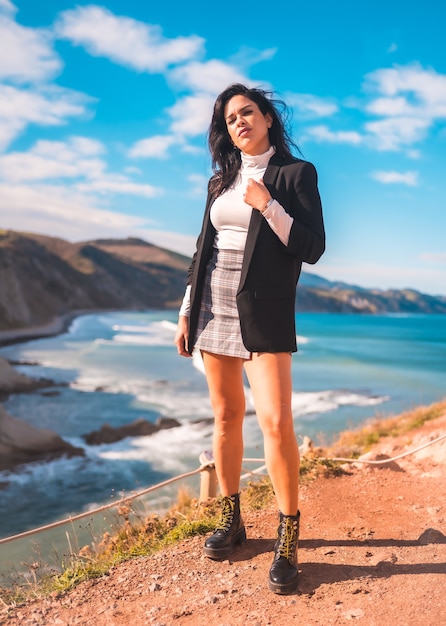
(208, 477)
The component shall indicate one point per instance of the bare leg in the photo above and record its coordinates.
(224, 375)
(269, 376)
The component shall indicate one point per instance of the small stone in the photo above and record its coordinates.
(211, 600)
(383, 557)
(354, 614)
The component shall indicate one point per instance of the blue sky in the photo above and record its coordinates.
(104, 110)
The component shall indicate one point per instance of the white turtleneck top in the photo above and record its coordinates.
(230, 215)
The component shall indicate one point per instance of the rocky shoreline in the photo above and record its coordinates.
(21, 442)
(58, 325)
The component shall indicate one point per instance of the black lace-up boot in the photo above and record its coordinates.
(283, 572)
(230, 530)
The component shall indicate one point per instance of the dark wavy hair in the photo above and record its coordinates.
(226, 158)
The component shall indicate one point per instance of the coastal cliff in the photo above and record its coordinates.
(45, 278)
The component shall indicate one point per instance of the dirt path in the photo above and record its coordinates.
(372, 551)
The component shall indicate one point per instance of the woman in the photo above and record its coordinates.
(262, 219)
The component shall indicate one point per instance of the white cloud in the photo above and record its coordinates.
(20, 167)
(61, 211)
(393, 133)
(433, 257)
(7, 7)
(427, 86)
(132, 169)
(54, 159)
(46, 106)
(323, 133)
(310, 106)
(77, 159)
(390, 177)
(65, 212)
(410, 100)
(84, 146)
(199, 184)
(210, 77)
(156, 147)
(192, 114)
(403, 105)
(413, 154)
(391, 106)
(115, 183)
(9, 130)
(29, 57)
(71, 150)
(124, 40)
(246, 56)
(189, 149)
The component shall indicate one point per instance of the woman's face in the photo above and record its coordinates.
(247, 126)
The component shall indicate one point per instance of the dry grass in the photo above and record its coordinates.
(352, 444)
(187, 518)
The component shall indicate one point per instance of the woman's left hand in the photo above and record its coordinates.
(256, 194)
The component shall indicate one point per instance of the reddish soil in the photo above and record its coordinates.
(372, 551)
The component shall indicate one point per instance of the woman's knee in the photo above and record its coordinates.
(228, 417)
(277, 425)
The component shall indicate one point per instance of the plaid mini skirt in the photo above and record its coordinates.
(218, 323)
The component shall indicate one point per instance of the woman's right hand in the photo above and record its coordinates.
(182, 336)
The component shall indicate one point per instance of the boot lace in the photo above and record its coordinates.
(288, 539)
(227, 514)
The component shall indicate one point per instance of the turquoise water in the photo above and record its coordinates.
(117, 367)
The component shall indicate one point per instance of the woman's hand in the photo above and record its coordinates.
(256, 194)
(182, 336)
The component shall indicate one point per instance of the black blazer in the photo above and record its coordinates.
(270, 270)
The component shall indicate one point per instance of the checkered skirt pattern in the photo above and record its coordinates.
(219, 324)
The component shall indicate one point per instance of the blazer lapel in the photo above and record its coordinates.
(255, 223)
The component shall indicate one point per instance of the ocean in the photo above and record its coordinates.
(116, 367)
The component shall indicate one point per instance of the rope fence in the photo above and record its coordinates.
(208, 484)
(105, 507)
